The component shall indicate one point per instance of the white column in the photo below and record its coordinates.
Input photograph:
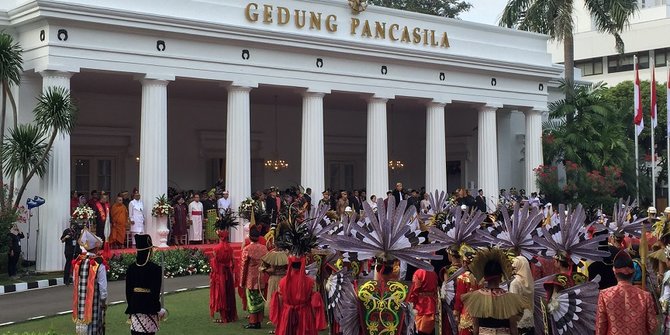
(312, 160)
(533, 147)
(487, 151)
(377, 169)
(436, 148)
(55, 189)
(505, 147)
(153, 149)
(238, 150)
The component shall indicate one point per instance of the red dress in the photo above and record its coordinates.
(296, 308)
(423, 295)
(222, 285)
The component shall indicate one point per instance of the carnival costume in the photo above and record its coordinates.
(251, 281)
(388, 235)
(665, 296)
(143, 289)
(493, 307)
(222, 281)
(297, 307)
(565, 303)
(90, 287)
(458, 233)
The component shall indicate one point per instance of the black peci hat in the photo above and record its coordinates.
(144, 248)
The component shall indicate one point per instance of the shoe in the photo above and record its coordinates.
(253, 326)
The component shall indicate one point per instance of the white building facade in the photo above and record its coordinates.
(645, 37)
(186, 92)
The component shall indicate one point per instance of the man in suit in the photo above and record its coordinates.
(399, 194)
(480, 201)
(272, 204)
(356, 202)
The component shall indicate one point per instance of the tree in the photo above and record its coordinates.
(446, 8)
(55, 114)
(586, 128)
(555, 18)
(10, 74)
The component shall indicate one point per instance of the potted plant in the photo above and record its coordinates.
(161, 210)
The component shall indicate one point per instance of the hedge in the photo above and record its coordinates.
(178, 262)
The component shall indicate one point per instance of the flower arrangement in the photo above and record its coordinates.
(246, 207)
(162, 207)
(178, 263)
(83, 213)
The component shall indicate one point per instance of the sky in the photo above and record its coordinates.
(484, 11)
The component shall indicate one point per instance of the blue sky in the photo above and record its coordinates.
(485, 11)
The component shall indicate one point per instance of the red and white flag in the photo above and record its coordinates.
(638, 120)
(654, 109)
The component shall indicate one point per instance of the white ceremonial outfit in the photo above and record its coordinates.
(136, 215)
(223, 205)
(195, 215)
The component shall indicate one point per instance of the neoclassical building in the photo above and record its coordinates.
(181, 93)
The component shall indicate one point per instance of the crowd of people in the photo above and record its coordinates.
(450, 264)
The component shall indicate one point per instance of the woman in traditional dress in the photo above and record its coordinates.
(180, 226)
(275, 264)
(523, 284)
(195, 219)
(119, 213)
(493, 310)
(222, 283)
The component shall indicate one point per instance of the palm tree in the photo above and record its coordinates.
(10, 74)
(23, 149)
(555, 18)
(55, 114)
(591, 138)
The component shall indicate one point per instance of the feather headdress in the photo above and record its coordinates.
(343, 301)
(296, 238)
(393, 234)
(439, 209)
(570, 311)
(568, 237)
(319, 223)
(516, 232)
(622, 222)
(227, 221)
(460, 229)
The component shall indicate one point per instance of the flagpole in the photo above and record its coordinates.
(652, 89)
(635, 116)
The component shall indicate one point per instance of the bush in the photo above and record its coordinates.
(178, 262)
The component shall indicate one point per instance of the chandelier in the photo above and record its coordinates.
(396, 165)
(276, 164)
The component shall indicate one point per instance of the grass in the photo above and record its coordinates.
(189, 314)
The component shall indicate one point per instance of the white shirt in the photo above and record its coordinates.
(223, 204)
(101, 278)
(135, 211)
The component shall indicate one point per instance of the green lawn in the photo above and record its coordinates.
(189, 314)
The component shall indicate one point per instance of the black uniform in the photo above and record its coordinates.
(14, 253)
(72, 250)
(143, 289)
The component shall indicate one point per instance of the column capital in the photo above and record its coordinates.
(489, 107)
(156, 76)
(437, 103)
(315, 94)
(243, 83)
(56, 73)
(536, 110)
(376, 99)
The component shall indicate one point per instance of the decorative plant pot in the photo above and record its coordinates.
(162, 231)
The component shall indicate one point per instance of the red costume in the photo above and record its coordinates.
(221, 284)
(296, 308)
(423, 295)
(625, 309)
(465, 283)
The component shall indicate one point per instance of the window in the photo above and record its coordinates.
(620, 63)
(661, 56)
(90, 173)
(590, 67)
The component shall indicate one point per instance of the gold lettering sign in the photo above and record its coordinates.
(317, 21)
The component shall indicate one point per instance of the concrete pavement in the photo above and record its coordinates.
(36, 304)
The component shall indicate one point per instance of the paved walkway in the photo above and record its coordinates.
(35, 304)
